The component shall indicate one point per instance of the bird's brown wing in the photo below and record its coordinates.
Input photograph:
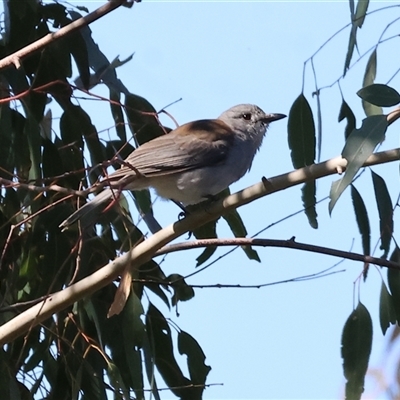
(180, 150)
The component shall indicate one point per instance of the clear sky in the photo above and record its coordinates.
(283, 341)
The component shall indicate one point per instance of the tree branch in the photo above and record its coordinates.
(289, 244)
(16, 57)
(145, 250)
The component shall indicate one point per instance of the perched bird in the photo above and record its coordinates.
(191, 163)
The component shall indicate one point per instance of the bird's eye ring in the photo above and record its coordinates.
(246, 116)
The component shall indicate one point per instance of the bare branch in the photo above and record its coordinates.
(16, 57)
(289, 244)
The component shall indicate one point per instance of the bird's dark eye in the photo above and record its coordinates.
(246, 116)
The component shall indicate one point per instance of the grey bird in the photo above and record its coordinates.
(191, 163)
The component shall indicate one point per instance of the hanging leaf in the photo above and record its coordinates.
(362, 220)
(236, 224)
(142, 118)
(361, 11)
(308, 197)
(359, 146)
(380, 95)
(346, 113)
(116, 111)
(159, 335)
(302, 143)
(182, 291)
(301, 133)
(393, 276)
(198, 370)
(369, 78)
(350, 48)
(356, 349)
(385, 210)
(387, 313)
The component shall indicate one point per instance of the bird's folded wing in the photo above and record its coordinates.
(193, 145)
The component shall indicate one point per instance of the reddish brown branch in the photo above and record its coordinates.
(289, 244)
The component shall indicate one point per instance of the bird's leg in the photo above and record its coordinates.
(184, 212)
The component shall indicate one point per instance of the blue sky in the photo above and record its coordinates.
(283, 341)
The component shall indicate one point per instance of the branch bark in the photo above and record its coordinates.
(16, 57)
(288, 244)
(145, 250)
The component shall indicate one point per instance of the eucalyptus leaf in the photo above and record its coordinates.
(380, 95)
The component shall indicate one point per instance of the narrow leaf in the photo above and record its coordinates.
(236, 224)
(159, 334)
(385, 210)
(393, 276)
(198, 370)
(356, 349)
(387, 313)
(362, 220)
(350, 48)
(352, 8)
(308, 197)
(301, 133)
(380, 95)
(359, 146)
(346, 113)
(361, 11)
(369, 78)
(116, 111)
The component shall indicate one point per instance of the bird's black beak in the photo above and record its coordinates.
(273, 117)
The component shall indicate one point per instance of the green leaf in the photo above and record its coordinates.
(236, 224)
(346, 113)
(380, 95)
(78, 50)
(142, 118)
(151, 271)
(198, 370)
(385, 210)
(118, 116)
(134, 329)
(356, 349)
(32, 132)
(206, 231)
(51, 161)
(359, 146)
(116, 380)
(362, 219)
(387, 313)
(150, 367)
(350, 48)
(7, 162)
(159, 335)
(301, 133)
(308, 197)
(369, 78)
(91, 312)
(182, 291)
(351, 5)
(361, 11)
(393, 276)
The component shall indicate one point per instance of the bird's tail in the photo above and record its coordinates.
(89, 213)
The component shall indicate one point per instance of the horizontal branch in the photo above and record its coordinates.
(16, 57)
(145, 250)
(288, 244)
